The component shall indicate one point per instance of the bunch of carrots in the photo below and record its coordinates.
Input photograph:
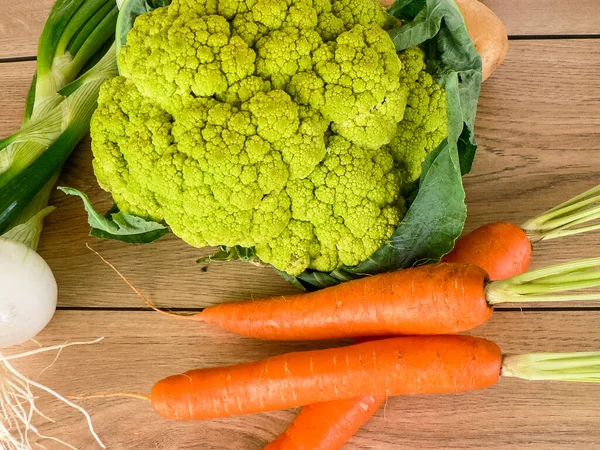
(424, 307)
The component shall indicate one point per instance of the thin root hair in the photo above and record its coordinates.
(136, 290)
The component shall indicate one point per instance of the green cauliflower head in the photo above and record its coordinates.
(273, 124)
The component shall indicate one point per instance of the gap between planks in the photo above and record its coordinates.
(544, 37)
(16, 59)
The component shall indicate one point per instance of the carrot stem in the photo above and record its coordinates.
(578, 367)
(578, 198)
(566, 219)
(577, 217)
(549, 284)
(557, 269)
(570, 277)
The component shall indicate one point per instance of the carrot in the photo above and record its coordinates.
(394, 366)
(504, 249)
(328, 425)
(442, 298)
(432, 299)
(404, 365)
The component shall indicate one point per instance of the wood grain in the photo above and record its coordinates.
(548, 17)
(140, 348)
(538, 127)
(538, 133)
(21, 24)
(15, 79)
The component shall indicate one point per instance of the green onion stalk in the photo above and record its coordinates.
(35, 154)
(74, 38)
(76, 54)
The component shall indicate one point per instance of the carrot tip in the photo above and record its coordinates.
(139, 294)
(110, 395)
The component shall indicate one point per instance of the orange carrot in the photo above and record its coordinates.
(441, 298)
(327, 426)
(395, 366)
(504, 249)
(433, 299)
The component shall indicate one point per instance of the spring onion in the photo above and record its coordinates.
(76, 54)
(73, 61)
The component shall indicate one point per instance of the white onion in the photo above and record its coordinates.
(28, 293)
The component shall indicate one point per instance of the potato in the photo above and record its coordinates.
(486, 30)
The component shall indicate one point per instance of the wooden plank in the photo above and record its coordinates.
(15, 79)
(550, 17)
(141, 347)
(21, 24)
(538, 134)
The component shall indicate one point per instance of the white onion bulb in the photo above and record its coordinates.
(28, 293)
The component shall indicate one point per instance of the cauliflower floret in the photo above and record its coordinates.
(360, 12)
(355, 84)
(175, 58)
(262, 17)
(284, 53)
(351, 202)
(244, 90)
(424, 125)
(293, 250)
(376, 127)
(264, 123)
(341, 15)
(300, 141)
(129, 125)
(302, 14)
(359, 69)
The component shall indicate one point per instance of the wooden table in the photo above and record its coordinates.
(539, 133)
